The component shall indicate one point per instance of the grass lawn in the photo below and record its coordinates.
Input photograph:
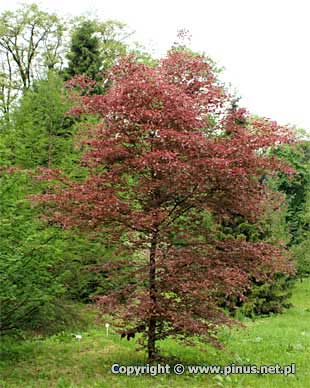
(64, 361)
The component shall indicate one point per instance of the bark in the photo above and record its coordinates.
(152, 290)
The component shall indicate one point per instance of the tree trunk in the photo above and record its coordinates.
(152, 290)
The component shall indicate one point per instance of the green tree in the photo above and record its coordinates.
(42, 268)
(297, 188)
(40, 132)
(95, 46)
(29, 280)
(302, 250)
(297, 191)
(31, 43)
(263, 297)
(9, 84)
(84, 55)
(31, 37)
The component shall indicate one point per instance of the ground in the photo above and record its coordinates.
(64, 361)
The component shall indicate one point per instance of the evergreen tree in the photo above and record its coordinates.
(84, 55)
(39, 133)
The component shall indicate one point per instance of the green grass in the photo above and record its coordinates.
(63, 361)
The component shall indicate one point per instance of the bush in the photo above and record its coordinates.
(41, 267)
(301, 252)
(267, 298)
(29, 280)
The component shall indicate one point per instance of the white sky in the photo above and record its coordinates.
(263, 44)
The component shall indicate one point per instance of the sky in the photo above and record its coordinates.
(262, 44)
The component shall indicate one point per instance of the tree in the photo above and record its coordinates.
(302, 251)
(263, 297)
(114, 42)
(98, 45)
(29, 36)
(95, 47)
(29, 284)
(9, 86)
(84, 55)
(168, 154)
(296, 189)
(42, 268)
(40, 133)
(31, 43)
